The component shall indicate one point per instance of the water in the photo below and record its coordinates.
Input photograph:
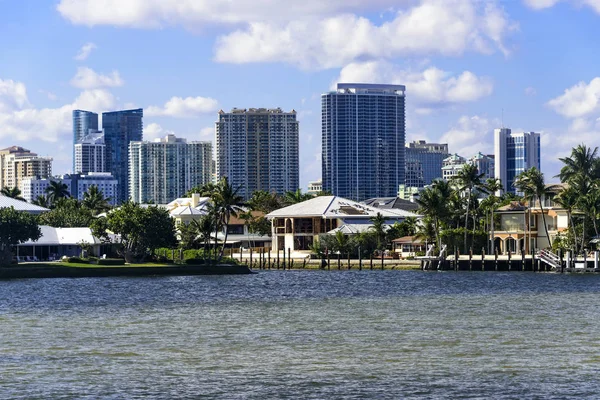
(302, 335)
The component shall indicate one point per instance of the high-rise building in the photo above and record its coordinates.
(257, 149)
(413, 176)
(515, 153)
(77, 185)
(485, 164)
(17, 163)
(90, 153)
(430, 157)
(121, 128)
(83, 122)
(166, 169)
(363, 134)
(452, 165)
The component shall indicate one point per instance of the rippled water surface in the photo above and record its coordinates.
(296, 335)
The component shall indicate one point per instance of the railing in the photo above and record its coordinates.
(549, 258)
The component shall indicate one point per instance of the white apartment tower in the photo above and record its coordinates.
(166, 169)
(515, 153)
(90, 153)
(257, 149)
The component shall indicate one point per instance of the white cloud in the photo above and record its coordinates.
(85, 51)
(20, 120)
(13, 95)
(448, 27)
(314, 33)
(530, 91)
(579, 100)
(541, 4)
(190, 13)
(431, 87)
(49, 95)
(471, 135)
(183, 108)
(153, 131)
(87, 78)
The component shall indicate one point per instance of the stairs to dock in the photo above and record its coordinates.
(548, 257)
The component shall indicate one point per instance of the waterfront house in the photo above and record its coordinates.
(58, 242)
(520, 225)
(296, 227)
(409, 246)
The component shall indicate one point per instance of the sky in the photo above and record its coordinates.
(469, 66)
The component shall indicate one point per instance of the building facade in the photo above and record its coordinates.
(121, 128)
(414, 176)
(363, 138)
(257, 149)
(315, 187)
(515, 153)
(17, 163)
(83, 122)
(452, 165)
(90, 154)
(77, 185)
(166, 169)
(485, 164)
(428, 157)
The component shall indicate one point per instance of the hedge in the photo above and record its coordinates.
(111, 261)
(78, 260)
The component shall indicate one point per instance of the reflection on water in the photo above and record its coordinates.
(302, 334)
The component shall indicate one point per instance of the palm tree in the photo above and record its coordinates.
(468, 179)
(264, 201)
(583, 162)
(204, 227)
(41, 201)
(568, 198)
(290, 198)
(432, 204)
(493, 185)
(227, 203)
(411, 225)
(57, 190)
(379, 228)
(531, 184)
(13, 193)
(342, 243)
(95, 201)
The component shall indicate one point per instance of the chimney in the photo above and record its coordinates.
(195, 199)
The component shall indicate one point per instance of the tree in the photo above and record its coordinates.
(41, 201)
(264, 201)
(568, 199)
(227, 203)
(95, 201)
(204, 227)
(432, 204)
(57, 190)
(378, 227)
(531, 184)
(290, 198)
(468, 179)
(138, 230)
(16, 227)
(493, 185)
(67, 213)
(203, 190)
(13, 193)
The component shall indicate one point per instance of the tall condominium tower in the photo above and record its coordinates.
(120, 128)
(429, 156)
(515, 153)
(83, 122)
(90, 153)
(257, 149)
(17, 163)
(166, 169)
(363, 134)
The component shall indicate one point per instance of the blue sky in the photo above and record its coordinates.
(466, 63)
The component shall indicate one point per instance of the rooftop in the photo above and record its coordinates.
(336, 207)
(19, 205)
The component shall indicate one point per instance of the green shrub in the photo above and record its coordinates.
(77, 260)
(194, 261)
(111, 261)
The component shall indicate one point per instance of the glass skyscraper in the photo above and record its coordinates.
(363, 137)
(515, 153)
(83, 121)
(120, 128)
(430, 157)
